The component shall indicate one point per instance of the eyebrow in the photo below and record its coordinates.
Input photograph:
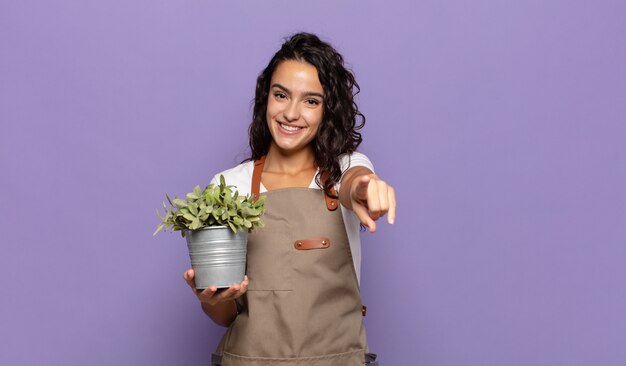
(306, 94)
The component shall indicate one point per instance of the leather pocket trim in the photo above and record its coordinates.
(308, 244)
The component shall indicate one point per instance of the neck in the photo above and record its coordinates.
(289, 163)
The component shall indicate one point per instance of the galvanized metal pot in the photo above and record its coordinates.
(218, 256)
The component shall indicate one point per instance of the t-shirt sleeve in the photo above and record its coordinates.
(355, 159)
(215, 180)
(350, 161)
(238, 177)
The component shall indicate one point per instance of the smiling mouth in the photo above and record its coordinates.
(289, 128)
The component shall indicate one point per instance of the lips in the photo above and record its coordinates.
(288, 128)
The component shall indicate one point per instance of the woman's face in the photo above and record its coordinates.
(294, 106)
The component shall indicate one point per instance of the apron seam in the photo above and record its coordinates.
(294, 359)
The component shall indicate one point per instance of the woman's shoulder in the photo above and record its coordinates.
(239, 176)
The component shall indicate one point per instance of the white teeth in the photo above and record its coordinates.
(289, 128)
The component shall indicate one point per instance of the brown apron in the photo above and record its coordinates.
(303, 305)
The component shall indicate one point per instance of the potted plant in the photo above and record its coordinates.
(215, 221)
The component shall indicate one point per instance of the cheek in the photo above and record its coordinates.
(269, 112)
(317, 119)
(273, 108)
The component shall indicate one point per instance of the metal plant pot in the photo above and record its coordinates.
(218, 256)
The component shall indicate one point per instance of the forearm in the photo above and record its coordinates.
(222, 313)
(346, 184)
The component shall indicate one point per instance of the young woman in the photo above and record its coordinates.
(299, 303)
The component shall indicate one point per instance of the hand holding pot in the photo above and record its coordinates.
(211, 296)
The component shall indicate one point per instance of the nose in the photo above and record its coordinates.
(292, 111)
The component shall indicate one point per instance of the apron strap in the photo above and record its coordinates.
(331, 203)
(256, 178)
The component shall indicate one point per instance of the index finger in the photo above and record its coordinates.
(362, 187)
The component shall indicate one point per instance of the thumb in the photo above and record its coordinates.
(363, 215)
(188, 275)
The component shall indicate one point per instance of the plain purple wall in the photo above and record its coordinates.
(500, 123)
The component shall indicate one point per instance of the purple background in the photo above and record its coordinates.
(500, 123)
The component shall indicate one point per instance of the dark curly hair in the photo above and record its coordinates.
(338, 133)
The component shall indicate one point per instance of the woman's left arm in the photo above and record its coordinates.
(368, 196)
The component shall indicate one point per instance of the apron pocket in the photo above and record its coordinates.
(269, 260)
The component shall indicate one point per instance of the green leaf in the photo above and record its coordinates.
(214, 205)
(157, 230)
(193, 208)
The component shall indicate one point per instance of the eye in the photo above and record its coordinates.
(312, 101)
(279, 95)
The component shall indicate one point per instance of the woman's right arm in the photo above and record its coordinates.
(219, 306)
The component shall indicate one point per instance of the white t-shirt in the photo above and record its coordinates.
(241, 177)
